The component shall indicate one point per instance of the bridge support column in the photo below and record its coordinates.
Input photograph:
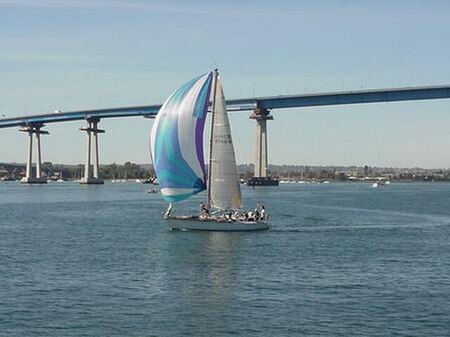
(29, 171)
(38, 152)
(261, 177)
(87, 165)
(37, 179)
(92, 129)
(96, 161)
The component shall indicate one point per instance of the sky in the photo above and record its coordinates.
(88, 54)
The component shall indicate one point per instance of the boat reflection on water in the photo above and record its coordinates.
(221, 248)
(207, 264)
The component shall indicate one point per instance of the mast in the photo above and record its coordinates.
(213, 109)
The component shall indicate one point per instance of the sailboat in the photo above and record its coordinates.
(177, 152)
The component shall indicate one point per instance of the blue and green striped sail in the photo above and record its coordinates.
(177, 140)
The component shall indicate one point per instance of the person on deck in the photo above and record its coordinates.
(257, 211)
(263, 213)
(203, 209)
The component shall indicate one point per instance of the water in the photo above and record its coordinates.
(340, 259)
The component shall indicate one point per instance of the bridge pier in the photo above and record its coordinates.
(37, 179)
(92, 132)
(261, 177)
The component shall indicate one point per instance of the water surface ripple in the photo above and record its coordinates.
(339, 260)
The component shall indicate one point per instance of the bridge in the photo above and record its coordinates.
(261, 107)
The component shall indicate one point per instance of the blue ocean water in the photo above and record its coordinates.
(339, 260)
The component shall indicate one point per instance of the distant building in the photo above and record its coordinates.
(366, 171)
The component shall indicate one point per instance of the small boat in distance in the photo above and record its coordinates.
(380, 183)
(177, 154)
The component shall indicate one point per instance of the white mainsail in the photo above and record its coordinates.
(225, 190)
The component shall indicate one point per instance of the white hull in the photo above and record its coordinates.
(193, 223)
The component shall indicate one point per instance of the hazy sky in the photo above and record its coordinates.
(67, 55)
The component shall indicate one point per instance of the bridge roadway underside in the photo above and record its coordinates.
(247, 104)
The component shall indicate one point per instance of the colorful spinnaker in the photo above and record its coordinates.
(177, 140)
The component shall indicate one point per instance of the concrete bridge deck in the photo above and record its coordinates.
(261, 107)
(246, 104)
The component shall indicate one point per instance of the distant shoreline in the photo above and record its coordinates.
(134, 171)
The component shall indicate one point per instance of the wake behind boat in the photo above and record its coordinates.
(177, 153)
